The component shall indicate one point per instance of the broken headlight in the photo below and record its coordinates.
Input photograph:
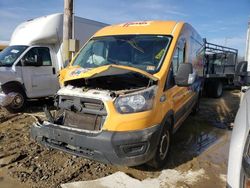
(136, 102)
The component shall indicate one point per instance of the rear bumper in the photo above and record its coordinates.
(120, 148)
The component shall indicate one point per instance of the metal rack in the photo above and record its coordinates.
(214, 52)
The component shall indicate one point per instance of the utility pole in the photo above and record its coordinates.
(67, 29)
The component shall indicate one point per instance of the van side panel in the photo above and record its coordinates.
(194, 51)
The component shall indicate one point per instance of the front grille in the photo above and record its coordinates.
(83, 120)
(82, 113)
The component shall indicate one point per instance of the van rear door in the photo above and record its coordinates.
(40, 80)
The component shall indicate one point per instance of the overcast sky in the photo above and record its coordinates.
(220, 21)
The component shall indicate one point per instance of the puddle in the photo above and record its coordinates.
(193, 138)
(220, 125)
(202, 130)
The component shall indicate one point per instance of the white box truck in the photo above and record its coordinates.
(29, 66)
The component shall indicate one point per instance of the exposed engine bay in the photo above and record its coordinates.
(80, 103)
(115, 84)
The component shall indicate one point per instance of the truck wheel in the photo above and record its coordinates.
(214, 89)
(163, 147)
(218, 89)
(18, 103)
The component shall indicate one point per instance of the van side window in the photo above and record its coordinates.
(179, 55)
(178, 58)
(45, 54)
(170, 82)
(41, 52)
(175, 61)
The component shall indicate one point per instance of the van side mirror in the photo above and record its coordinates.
(32, 61)
(185, 75)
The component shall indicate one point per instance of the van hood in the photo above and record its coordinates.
(77, 72)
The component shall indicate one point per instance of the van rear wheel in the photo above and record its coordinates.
(163, 147)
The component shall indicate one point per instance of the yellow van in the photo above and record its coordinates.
(126, 93)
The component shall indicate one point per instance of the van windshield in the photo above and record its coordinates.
(144, 52)
(9, 55)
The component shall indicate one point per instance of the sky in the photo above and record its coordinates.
(222, 22)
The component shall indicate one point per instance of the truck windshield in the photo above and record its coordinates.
(9, 55)
(145, 52)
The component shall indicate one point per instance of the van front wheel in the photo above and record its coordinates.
(163, 147)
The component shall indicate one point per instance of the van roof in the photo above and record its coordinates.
(141, 27)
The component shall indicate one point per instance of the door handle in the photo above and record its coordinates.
(53, 70)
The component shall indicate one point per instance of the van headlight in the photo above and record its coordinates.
(136, 102)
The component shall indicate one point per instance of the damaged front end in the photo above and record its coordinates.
(84, 120)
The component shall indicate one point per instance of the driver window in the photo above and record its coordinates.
(45, 55)
(178, 58)
(30, 56)
(179, 55)
(38, 52)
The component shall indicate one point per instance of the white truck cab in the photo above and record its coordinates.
(29, 66)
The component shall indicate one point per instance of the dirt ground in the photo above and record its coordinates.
(200, 144)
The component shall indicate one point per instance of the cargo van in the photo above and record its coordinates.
(126, 93)
(29, 66)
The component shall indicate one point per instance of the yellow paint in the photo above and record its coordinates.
(74, 72)
(175, 96)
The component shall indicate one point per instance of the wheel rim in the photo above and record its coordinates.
(18, 101)
(164, 145)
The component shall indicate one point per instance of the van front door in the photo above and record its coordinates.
(39, 76)
(178, 98)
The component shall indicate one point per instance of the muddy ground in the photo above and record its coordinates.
(200, 144)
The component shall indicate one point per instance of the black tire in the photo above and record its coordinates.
(218, 89)
(214, 89)
(163, 148)
(19, 102)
